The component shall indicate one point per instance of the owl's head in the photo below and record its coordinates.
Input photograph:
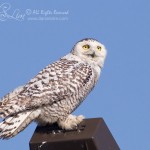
(91, 51)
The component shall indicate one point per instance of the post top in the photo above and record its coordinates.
(92, 134)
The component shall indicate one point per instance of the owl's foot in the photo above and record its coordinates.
(71, 122)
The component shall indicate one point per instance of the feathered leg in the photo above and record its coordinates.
(71, 122)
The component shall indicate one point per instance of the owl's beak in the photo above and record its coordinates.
(93, 54)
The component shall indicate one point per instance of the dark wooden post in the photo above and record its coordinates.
(92, 134)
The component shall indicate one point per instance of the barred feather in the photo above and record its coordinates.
(15, 124)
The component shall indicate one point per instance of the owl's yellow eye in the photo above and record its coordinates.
(99, 48)
(86, 47)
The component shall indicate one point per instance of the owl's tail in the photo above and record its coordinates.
(12, 125)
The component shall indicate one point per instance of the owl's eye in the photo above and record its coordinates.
(99, 48)
(86, 47)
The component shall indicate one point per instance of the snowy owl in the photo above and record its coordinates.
(55, 92)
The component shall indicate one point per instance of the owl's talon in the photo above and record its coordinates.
(71, 122)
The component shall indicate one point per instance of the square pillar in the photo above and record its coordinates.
(92, 134)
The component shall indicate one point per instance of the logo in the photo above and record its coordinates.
(7, 13)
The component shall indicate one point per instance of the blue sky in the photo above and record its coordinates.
(122, 94)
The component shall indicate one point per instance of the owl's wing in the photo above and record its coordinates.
(64, 78)
(9, 100)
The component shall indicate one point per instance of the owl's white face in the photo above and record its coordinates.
(90, 51)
